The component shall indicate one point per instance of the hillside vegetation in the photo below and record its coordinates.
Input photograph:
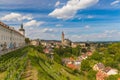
(30, 63)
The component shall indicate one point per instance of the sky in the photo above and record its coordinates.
(80, 20)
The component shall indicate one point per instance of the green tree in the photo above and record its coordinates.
(96, 56)
(77, 50)
(85, 65)
(84, 50)
(91, 75)
(114, 48)
(112, 77)
(27, 40)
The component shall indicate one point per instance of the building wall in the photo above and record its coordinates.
(35, 42)
(10, 37)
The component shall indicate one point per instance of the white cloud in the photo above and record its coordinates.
(115, 2)
(74, 34)
(87, 27)
(59, 25)
(57, 3)
(90, 16)
(70, 9)
(16, 16)
(47, 30)
(42, 33)
(107, 35)
(33, 23)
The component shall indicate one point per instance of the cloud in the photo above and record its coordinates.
(106, 35)
(115, 2)
(47, 30)
(42, 33)
(57, 3)
(70, 9)
(90, 16)
(87, 27)
(59, 25)
(16, 16)
(33, 23)
(74, 34)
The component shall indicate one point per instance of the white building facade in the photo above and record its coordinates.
(10, 38)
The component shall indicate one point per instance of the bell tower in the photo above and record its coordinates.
(21, 30)
(62, 40)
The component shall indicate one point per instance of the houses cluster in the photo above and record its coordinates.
(74, 64)
(35, 42)
(48, 50)
(103, 72)
(71, 63)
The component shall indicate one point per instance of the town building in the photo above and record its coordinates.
(101, 75)
(35, 42)
(74, 45)
(10, 38)
(65, 42)
(98, 67)
(104, 72)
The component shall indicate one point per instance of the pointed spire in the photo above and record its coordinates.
(22, 26)
(62, 33)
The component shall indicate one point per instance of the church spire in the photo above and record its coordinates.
(62, 37)
(22, 26)
(21, 30)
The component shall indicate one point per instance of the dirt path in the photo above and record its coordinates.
(30, 72)
(2, 75)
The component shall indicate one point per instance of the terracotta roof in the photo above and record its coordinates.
(8, 27)
(72, 66)
(100, 75)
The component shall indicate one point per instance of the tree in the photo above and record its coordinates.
(112, 77)
(27, 40)
(85, 65)
(39, 48)
(76, 51)
(91, 75)
(96, 56)
(114, 48)
(84, 50)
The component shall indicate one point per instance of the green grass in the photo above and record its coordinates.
(14, 64)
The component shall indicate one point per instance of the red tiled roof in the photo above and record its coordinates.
(72, 66)
(118, 78)
(100, 75)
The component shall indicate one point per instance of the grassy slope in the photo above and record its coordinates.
(48, 70)
(38, 67)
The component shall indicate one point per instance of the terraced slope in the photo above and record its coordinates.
(29, 64)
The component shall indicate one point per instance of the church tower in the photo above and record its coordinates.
(62, 38)
(21, 30)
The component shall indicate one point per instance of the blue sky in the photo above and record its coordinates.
(81, 20)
